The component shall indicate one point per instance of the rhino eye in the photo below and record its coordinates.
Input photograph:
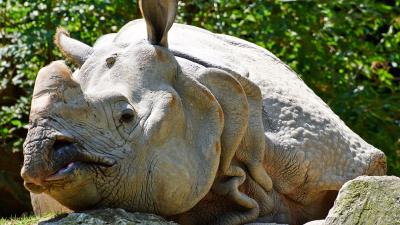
(127, 115)
(125, 118)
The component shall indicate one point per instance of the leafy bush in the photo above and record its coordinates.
(346, 51)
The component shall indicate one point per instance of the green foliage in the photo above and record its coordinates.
(348, 52)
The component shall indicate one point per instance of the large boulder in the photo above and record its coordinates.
(108, 216)
(367, 200)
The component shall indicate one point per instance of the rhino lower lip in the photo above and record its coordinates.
(61, 173)
(71, 167)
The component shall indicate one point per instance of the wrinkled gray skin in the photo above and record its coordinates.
(198, 127)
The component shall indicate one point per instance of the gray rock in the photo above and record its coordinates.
(107, 216)
(367, 200)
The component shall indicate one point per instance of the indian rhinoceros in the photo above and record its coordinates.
(198, 127)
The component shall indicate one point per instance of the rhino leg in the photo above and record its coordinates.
(310, 154)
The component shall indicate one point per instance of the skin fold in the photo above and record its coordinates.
(198, 127)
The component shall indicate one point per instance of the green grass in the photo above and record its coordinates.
(24, 220)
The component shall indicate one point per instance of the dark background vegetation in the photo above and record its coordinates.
(348, 52)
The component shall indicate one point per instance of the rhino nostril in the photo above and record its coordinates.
(60, 144)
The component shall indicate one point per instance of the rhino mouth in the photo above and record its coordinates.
(67, 161)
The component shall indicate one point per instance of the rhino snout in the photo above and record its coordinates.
(42, 154)
(52, 158)
(41, 157)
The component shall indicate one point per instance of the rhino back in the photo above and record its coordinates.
(308, 147)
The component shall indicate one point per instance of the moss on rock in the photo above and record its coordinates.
(367, 200)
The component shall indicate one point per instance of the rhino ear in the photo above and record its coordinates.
(159, 16)
(73, 49)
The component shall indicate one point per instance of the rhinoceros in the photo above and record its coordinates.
(200, 128)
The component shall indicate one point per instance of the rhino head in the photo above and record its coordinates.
(122, 130)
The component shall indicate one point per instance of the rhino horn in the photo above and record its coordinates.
(73, 49)
(159, 16)
(53, 80)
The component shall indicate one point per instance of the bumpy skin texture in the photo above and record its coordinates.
(198, 127)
